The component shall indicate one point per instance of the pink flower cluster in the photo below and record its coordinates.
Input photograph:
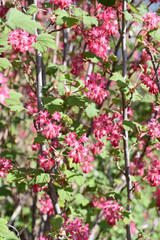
(81, 154)
(61, 3)
(157, 195)
(50, 129)
(46, 205)
(95, 84)
(77, 65)
(31, 104)
(112, 211)
(4, 91)
(151, 21)
(110, 126)
(147, 79)
(21, 41)
(154, 129)
(153, 173)
(97, 41)
(3, 10)
(97, 38)
(45, 160)
(43, 237)
(76, 230)
(5, 165)
(37, 188)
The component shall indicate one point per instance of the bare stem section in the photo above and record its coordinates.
(125, 117)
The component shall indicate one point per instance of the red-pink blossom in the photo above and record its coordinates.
(46, 205)
(95, 85)
(112, 211)
(104, 125)
(79, 152)
(4, 90)
(151, 21)
(77, 65)
(153, 128)
(37, 188)
(153, 173)
(43, 237)
(76, 230)
(21, 41)
(157, 195)
(3, 10)
(5, 165)
(61, 3)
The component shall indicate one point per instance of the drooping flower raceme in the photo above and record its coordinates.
(154, 129)
(21, 41)
(79, 153)
(95, 85)
(4, 91)
(61, 3)
(153, 173)
(5, 165)
(110, 126)
(76, 230)
(151, 21)
(112, 211)
(157, 195)
(46, 205)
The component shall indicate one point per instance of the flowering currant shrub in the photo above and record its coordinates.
(80, 119)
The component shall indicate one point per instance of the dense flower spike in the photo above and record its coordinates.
(95, 85)
(153, 173)
(151, 21)
(61, 3)
(112, 211)
(105, 125)
(77, 65)
(79, 153)
(76, 230)
(21, 41)
(46, 205)
(5, 165)
(154, 129)
(4, 91)
(157, 195)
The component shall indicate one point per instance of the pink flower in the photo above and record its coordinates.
(105, 125)
(21, 41)
(153, 173)
(4, 91)
(61, 3)
(157, 195)
(36, 188)
(112, 211)
(76, 230)
(79, 153)
(5, 165)
(154, 129)
(77, 65)
(96, 88)
(3, 10)
(43, 237)
(46, 205)
(151, 21)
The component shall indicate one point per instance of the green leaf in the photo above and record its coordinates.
(91, 56)
(32, 9)
(61, 14)
(155, 34)
(117, 77)
(16, 19)
(128, 16)
(80, 200)
(13, 102)
(107, 3)
(71, 21)
(76, 177)
(53, 104)
(44, 41)
(40, 178)
(133, 8)
(65, 194)
(91, 110)
(15, 176)
(57, 222)
(127, 217)
(78, 12)
(87, 20)
(39, 139)
(128, 125)
(53, 68)
(77, 100)
(4, 64)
